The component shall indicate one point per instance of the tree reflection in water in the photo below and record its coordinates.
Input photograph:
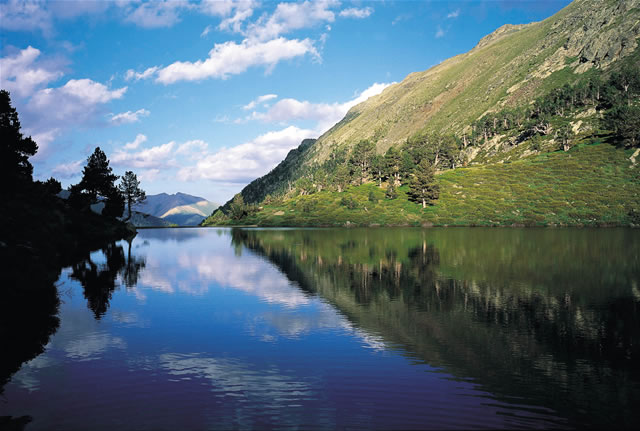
(550, 319)
(100, 280)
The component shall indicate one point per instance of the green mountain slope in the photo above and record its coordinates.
(521, 92)
(509, 67)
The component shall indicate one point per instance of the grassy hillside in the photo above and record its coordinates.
(592, 184)
(501, 112)
(509, 67)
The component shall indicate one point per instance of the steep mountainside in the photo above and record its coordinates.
(509, 67)
(180, 208)
(522, 91)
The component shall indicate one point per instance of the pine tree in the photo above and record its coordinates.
(423, 187)
(130, 189)
(97, 176)
(98, 180)
(237, 207)
(15, 149)
(392, 166)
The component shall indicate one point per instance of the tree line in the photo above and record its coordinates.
(98, 181)
(98, 184)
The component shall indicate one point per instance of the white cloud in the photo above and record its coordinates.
(148, 73)
(150, 158)
(235, 22)
(68, 170)
(439, 32)
(129, 116)
(356, 13)
(140, 139)
(292, 16)
(149, 175)
(29, 15)
(247, 161)
(325, 114)
(157, 13)
(21, 76)
(51, 111)
(206, 31)
(194, 149)
(217, 7)
(454, 14)
(230, 58)
(259, 101)
(83, 91)
(234, 12)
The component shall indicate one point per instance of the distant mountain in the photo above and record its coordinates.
(139, 219)
(180, 208)
(164, 210)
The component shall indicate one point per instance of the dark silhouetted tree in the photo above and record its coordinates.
(131, 191)
(98, 180)
(15, 149)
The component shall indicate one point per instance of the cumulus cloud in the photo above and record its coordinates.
(356, 12)
(230, 58)
(29, 15)
(259, 101)
(247, 161)
(39, 15)
(193, 149)
(160, 156)
(20, 75)
(140, 139)
(68, 170)
(129, 116)
(148, 73)
(51, 111)
(234, 12)
(158, 13)
(292, 16)
(74, 99)
(325, 114)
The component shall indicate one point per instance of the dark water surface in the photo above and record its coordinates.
(328, 328)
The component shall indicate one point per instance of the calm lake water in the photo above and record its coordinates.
(329, 328)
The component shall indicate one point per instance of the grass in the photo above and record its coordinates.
(591, 185)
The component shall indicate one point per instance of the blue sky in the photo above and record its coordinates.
(203, 97)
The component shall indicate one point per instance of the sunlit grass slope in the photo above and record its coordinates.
(593, 184)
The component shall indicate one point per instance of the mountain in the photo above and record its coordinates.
(180, 208)
(139, 219)
(523, 91)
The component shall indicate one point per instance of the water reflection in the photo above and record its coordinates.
(377, 328)
(99, 280)
(557, 326)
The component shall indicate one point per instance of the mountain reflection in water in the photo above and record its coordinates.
(326, 328)
(542, 317)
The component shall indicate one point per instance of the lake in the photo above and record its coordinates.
(394, 328)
